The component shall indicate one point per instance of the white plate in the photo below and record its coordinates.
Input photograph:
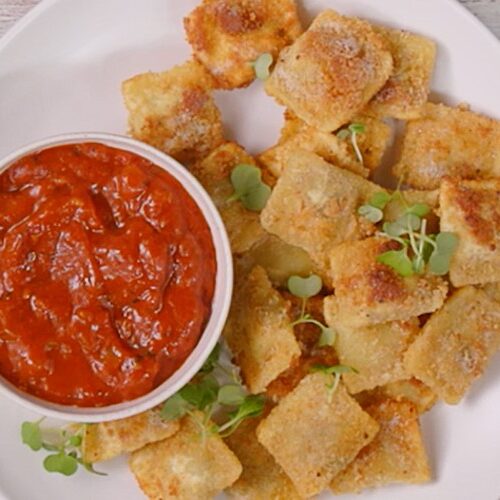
(60, 71)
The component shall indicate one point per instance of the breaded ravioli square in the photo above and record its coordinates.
(324, 144)
(314, 205)
(456, 344)
(214, 172)
(185, 466)
(406, 92)
(262, 478)
(376, 352)
(227, 36)
(314, 435)
(449, 142)
(396, 455)
(471, 210)
(331, 72)
(174, 111)
(107, 440)
(338, 151)
(259, 332)
(369, 292)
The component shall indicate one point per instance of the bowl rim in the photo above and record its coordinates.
(220, 303)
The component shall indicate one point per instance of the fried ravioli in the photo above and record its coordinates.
(227, 36)
(449, 142)
(456, 344)
(214, 172)
(471, 210)
(174, 111)
(107, 440)
(331, 72)
(314, 206)
(406, 92)
(314, 436)
(259, 331)
(376, 352)
(396, 455)
(186, 465)
(369, 292)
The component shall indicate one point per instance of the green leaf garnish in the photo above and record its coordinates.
(174, 407)
(397, 260)
(380, 200)
(373, 214)
(64, 446)
(212, 360)
(419, 209)
(231, 395)
(357, 128)
(332, 372)
(327, 338)
(352, 131)
(252, 407)
(249, 188)
(201, 394)
(206, 395)
(31, 435)
(262, 66)
(394, 229)
(61, 463)
(446, 243)
(439, 261)
(305, 288)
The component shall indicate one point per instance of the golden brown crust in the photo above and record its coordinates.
(405, 93)
(376, 352)
(396, 455)
(449, 142)
(313, 437)
(456, 344)
(262, 478)
(242, 225)
(471, 210)
(185, 466)
(331, 72)
(228, 35)
(259, 332)
(107, 440)
(174, 111)
(314, 206)
(369, 293)
(411, 390)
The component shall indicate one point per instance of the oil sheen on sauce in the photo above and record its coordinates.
(107, 274)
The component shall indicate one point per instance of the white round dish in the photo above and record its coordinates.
(220, 304)
(61, 70)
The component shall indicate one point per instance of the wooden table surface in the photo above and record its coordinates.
(487, 10)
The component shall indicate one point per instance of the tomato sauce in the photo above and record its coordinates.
(107, 275)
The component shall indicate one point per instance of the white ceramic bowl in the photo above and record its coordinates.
(220, 304)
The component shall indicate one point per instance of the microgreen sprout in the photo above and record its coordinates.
(417, 248)
(249, 188)
(352, 132)
(63, 444)
(306, 288)
(333, 373)
(205, 395)
(262, 66)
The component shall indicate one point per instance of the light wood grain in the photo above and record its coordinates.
(488, 11)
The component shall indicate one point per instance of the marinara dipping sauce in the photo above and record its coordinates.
(107, 274)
